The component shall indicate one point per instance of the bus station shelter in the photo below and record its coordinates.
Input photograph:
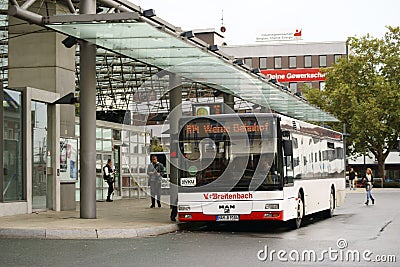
(177, 58)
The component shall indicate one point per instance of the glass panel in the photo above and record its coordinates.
(248, 62)
(133, 137)
(263, 62)
(307, 61)
(107, 145)
(292, 62)
(277, 62)
(322, 61)
(125, 169)
(142, 164)
(105, 158)
(134, 161)
(133, 164)
(39, 154)
(141, 139)
(99, 145)
(125, 136)
(117, 166)
(98, 133)
(133, 148)
(147, 43)
(99, 163)
(12, 146)
(77, 129)
(107, 133)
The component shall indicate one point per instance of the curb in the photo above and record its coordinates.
(87, 233)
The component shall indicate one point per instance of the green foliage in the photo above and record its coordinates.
(157, 148)
(155, 145)
(363, 92)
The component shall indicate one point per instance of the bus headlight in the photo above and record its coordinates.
(183, 207)
(271, 206)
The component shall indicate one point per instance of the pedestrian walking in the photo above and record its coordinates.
(155, 170)
(352, 176)
(368, 180)
(108, 176)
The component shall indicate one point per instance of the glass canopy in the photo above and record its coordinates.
(176, 54)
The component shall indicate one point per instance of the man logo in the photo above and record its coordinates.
(226, 208)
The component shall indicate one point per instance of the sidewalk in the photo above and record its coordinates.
(375, 189)
(125, 218)
(119, 219)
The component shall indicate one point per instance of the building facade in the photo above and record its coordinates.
(293, 64)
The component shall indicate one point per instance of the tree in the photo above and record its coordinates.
(363, 91)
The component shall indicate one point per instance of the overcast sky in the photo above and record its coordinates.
(329, 20)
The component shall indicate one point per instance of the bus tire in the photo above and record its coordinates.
(300, 211)
(329, 212)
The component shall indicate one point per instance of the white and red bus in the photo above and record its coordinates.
(237, 167)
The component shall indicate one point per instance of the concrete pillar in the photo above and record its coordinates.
(88, 121)
(229, 101)
(175, 98)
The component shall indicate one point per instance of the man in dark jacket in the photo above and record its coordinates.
(155, 170)
(108, 176)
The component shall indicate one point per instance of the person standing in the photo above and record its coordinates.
(368, 180)
(174, 210)
(108, 176)
(352, 176)
(155, 170)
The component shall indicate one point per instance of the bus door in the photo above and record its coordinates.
(287, 147)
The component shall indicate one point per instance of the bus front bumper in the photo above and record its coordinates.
(253, 216)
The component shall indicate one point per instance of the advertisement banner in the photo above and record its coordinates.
(295, 75)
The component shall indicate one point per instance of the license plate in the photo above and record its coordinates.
(227, 218)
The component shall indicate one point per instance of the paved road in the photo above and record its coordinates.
(370, 232)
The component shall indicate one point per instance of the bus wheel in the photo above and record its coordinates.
(329, 212)
(300, 211)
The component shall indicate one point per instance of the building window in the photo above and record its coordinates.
(107, 145)
(293, 87)
(322, 86)
(99, 145)
(337, 58)
(263, 62)
(278, 63)
(99, 133)
(248, 62)
(292, 62)
(107, 133)
(307, 61)
(322, 61)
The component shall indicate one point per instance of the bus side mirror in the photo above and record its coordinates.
(287, 147)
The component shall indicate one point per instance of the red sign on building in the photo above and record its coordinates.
(295, 75)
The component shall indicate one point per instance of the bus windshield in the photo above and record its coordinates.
(229, 153)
